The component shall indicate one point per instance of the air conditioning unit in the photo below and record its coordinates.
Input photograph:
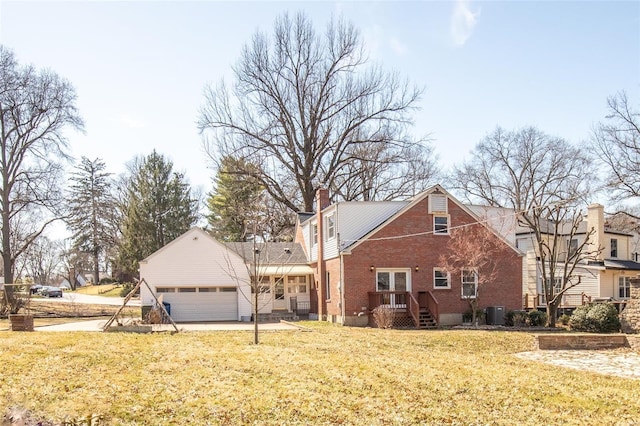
(495, 315)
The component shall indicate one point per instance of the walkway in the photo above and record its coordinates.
(621, 362)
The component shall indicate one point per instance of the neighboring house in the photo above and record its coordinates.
(605, 277)
(203, 279)
(371, 253)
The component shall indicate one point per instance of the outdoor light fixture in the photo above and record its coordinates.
(371, 268)
(417, 268)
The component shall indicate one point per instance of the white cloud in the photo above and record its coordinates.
(463, 22)
(397, 46)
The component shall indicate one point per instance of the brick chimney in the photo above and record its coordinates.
(595, 220)
(322, 199)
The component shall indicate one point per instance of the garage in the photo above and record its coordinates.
(190, 304)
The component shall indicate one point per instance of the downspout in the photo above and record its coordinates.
(342, 307)
(322, 279)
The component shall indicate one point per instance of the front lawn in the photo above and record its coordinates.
(331, 375)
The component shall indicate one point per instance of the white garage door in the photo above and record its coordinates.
(201, 303)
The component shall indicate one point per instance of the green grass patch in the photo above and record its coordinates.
(332, 375)
(108, 290)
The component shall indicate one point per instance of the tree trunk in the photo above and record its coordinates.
(552, 311)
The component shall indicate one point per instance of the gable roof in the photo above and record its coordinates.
(194, 232)
(417, 199)
(270, 253)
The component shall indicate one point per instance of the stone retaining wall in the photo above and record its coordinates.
(581, 341)
(630, 317)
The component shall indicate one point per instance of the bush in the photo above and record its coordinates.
(595, 318)
(515, 318)
(564, 319)
(384, 316)
(536, 318)
(523, 318)
(106, 280)
(468, 316)
(126, 289)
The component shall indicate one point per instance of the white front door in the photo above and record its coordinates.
(279, 301)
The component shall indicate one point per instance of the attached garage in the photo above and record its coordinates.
(200, 278)
(189, 304)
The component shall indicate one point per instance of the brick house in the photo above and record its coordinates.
(364, 254)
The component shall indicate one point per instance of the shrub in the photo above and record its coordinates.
(384, 316)
(468, 316)
(536, 318)
(106, 280)
(564, 319)
(595, 318)
(515, 318)
(126, 289)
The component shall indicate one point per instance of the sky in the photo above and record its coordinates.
(140, 68)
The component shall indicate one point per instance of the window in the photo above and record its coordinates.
(314, 234)
(165, 290)
(207, 290)
(614, 247)
(469, 283)
(328, 289)
(624, 287)
(440, 279)
(441, 224)
(573, 246)
(331, 227)
(264, 286)
(228, 289)
(296, 284)
(187, 290)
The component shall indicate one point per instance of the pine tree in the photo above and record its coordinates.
(91, 211)
(158, 207)
(233, 200)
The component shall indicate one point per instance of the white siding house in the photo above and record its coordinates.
(199, 277)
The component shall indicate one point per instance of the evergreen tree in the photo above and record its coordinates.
(92, 210)
(233, 199)
(158, 206)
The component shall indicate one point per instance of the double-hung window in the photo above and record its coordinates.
(441, 225)
(624, 287)
(469, 283)
(614, 248)
(441, 279)
(331, 227)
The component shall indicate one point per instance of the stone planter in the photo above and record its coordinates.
(21, 322)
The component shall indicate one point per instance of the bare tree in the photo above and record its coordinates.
(41, 260)
(472, 256)
(36, 107)
(617, 144)
(545, 180)
(306, 107)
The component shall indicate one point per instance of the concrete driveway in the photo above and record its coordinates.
(96, 325)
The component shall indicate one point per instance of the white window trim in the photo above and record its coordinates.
(313, 231)
(475, 293)
(611, 244)
(434, 280)
(331, 229)
(435, 232)
(626, 280)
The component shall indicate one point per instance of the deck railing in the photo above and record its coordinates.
(569, 300)
(406, 301)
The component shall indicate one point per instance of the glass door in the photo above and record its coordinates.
(397, 283)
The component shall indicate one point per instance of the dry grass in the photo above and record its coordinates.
(332, 375)
(110, 290)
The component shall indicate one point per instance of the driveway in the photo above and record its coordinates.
(89, 299)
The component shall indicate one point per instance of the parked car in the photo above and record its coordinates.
(49, 291)
(35, 288)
